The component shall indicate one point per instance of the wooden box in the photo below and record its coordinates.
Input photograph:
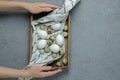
(67, 40)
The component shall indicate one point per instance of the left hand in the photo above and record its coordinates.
(38, 7)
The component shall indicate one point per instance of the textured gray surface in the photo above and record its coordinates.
(95, 40)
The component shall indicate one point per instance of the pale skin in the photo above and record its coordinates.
(34, 8)
(35, 71)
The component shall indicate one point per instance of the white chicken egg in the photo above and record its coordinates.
(42, 34)
(56, 26)
(60, 40)
(54, 48)
(41, 44)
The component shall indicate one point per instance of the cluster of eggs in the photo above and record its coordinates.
(63, 62)
(52, 43)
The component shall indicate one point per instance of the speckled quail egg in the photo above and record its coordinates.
(52, 38)
(42, 34)
(62, 52)
(49, 31)
(54, 48)
(47, 50)
(65, 28)
(65, 34)
(49, 42)
(54, 55)
(41, 44)
(60, 40)
(42, 27)
(64, 61)
(59, 64)
(56, 26)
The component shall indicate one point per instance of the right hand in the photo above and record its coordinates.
(39, 72)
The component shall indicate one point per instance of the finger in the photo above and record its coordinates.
(51, 73)
(50, 6)
(46, 68)
(45, 9)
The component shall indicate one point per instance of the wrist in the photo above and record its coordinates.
(22, 5)
(25, 74)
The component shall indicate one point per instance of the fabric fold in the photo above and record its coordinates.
(57, 16)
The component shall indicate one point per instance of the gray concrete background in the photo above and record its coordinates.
(95, 40)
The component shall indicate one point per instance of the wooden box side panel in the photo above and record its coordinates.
(69, 30)
(31, 31)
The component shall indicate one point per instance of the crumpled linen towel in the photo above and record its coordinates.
(57, 16)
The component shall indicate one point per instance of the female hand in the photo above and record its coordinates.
(40, 72)
(38, 7)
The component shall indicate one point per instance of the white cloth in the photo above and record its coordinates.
(57, 16)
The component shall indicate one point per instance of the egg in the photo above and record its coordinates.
(56, 26)
(65, 28)
(42, 34)
(62, 52)
(47, 50)
(64, 61)
(54, 48)
(59, 40)
(65, 34)
(41, 44)
(42, 27)
(54, 55)
(49, 31)
(49, 42)
(59, 64)
(52, 38)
